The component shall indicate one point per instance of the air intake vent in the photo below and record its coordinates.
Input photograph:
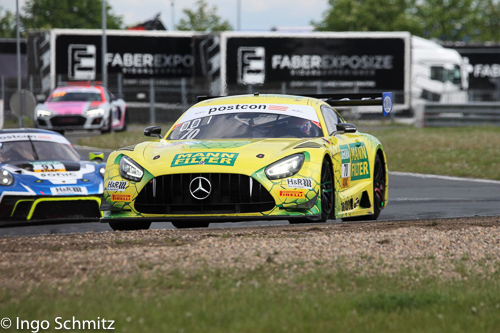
(229, 193)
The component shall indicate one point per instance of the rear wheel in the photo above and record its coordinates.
(378, 188)
(378, 193)
(327, 196)
(125, 226)
(190, 224)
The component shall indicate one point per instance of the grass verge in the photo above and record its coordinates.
(462, 152)
(265, 300)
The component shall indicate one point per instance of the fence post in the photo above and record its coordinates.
(31, 84)
(319, 88)
(183, 93)
(120, 87)
(152, 115)
(3, 90)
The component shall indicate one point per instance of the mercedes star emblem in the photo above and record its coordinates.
(200, 188)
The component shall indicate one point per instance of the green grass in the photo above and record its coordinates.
(323, 300)
(463, 152)
(115, 140)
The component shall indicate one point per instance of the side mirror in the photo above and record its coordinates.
(153, 131)
(96, 157)
(346, 128)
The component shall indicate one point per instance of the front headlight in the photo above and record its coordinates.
(102, 170)
(43, 113)
(130, 170)
(6, 178)
(95, 112)
(286, 167)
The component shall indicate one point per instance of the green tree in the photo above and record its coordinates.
(203, 18)
(70, 14)
(451, 20)
(369, 15)
(7, 23)
(485, 23)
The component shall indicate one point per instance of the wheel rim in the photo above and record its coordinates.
(379, 185)
(326, 190)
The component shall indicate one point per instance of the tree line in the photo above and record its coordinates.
(446, 20)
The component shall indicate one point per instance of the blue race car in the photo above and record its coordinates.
(42, 177)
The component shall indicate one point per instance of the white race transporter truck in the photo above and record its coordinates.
(438, 74)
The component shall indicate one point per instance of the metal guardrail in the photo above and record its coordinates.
(457, 115)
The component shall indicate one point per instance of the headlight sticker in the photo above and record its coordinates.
(305, 183)
(117, 186)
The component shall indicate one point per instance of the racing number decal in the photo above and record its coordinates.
(48, 167)
(191, 127)
(355, 165)
(345, 178)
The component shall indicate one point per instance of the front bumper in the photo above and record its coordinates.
(73, 122)
(31, 208)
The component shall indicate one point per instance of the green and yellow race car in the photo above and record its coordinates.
(251, 157)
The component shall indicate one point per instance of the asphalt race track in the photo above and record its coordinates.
(411, 196)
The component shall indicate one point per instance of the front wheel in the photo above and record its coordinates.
(127, 226)
(326, 193)
(108, 126)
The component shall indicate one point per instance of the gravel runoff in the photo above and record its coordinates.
(448, 248)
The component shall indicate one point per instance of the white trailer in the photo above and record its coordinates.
(438, 74)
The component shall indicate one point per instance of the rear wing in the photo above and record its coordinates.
(384, 99)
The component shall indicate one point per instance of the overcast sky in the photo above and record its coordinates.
(255, 14)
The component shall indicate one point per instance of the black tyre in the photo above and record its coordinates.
(126, 226)
(327, 196)
(190, 224)
(107, 128)
(378, 188)
(378, 193)
(327, 191)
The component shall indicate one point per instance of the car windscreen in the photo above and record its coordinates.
(64, 96)
(246, 125)
(36, 150)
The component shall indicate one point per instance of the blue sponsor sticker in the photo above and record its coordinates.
(387, 102)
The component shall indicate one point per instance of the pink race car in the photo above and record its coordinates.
(77, 107)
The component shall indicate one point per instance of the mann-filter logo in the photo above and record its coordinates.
(355, 164)
(251, 65)
(82, 62)
(211, 158)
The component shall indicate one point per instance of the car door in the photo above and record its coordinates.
(348, 143)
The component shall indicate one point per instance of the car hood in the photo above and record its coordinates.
(247, 155)
(70, 108)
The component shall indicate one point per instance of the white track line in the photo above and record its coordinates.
(421, 175)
